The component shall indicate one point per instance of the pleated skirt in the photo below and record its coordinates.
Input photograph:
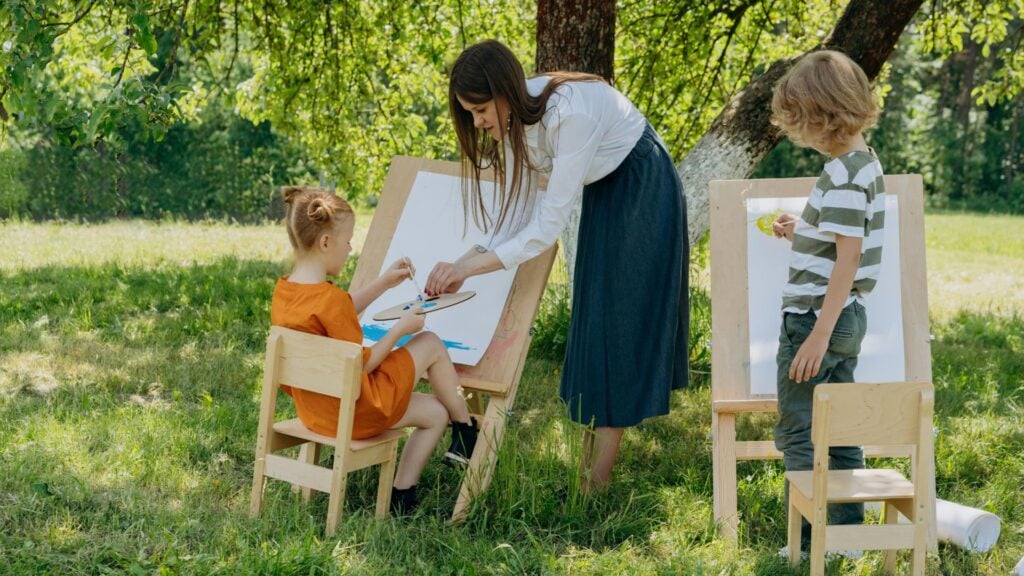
(627, 346)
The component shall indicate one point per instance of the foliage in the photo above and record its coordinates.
(950, 111)
(349, 85)
(132, 357)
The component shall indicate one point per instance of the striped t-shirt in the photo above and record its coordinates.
(848, 199)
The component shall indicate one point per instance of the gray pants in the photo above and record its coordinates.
(793, 431)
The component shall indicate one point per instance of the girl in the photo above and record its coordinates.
(627, 346)
(320, 227)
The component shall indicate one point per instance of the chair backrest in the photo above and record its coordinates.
(890, 414)
(315, 363)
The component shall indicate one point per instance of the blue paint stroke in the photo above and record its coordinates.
(377, 331)
(425, 305)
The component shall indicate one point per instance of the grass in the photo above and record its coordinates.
(130, 361)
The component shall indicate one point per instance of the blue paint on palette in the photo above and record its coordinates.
(377, 331)
(425, 305)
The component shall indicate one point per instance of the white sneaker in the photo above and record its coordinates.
(830, 555)
(784, 553)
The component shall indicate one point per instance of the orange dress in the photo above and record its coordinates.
(328, 310)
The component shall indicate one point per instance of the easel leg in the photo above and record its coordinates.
(481, 465)
(723, 428)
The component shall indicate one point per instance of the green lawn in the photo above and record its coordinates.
(130, 360)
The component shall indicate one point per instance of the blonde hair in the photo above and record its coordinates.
(824, 99)
(312, 212)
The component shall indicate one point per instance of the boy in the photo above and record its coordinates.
(825, 101)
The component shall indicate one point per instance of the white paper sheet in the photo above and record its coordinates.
(881, 358)
(430, 230)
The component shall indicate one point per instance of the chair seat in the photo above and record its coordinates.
(860, 485)
(296, 429)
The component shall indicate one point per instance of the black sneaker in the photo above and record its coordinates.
(463, 442)
(404, 501)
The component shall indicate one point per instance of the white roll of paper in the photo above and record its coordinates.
(969, 528)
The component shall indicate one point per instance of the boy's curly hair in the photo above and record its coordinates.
(824, 99)
(312, 212)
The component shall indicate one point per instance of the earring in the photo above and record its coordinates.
(508, 122)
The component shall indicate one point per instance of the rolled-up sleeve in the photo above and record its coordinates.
(574, 142)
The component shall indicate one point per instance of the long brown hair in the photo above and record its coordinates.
(483, 72)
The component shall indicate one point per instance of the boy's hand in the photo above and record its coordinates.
(410, 322)
(399, 271)
(807, 361)
(784, 226)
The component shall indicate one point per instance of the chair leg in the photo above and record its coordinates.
(308, 454)
(793, 532)
(818, 544)
(892, 516)
(386, 481)
(336, 503)
(258, 483)
(917, 565)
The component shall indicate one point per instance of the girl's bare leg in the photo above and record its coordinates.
(600, 448)
(430, 356)
(430, 420)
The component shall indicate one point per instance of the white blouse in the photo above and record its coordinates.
(587, 131)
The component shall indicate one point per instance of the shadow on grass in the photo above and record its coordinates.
(128, 405)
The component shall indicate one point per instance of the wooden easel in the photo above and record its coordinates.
(498, 372)
(730, 358)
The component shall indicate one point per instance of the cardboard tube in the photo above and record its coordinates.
(968, 528)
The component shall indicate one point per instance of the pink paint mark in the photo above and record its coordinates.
(500, 345)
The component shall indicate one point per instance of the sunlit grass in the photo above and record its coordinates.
(130, 362)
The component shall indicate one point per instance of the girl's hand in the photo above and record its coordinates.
(445, 278)
(409, 322)
(784, 226)
(399, 271)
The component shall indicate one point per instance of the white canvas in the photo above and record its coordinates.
(881, 358)
(430, 230)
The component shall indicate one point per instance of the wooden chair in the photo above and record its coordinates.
(331, 367)
(896, 414)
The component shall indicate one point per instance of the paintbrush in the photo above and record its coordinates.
(419, 293)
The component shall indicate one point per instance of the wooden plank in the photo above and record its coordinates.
(315, 363)
(861, 485)
(744, 406)
(869, 537)
(295, 428)
(298, 473)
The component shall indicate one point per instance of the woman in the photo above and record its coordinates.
(627, 346)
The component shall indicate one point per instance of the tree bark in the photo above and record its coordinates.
(577, 36)
(742, 135)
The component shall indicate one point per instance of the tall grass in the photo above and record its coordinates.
(130, 363)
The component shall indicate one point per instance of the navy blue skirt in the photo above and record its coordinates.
(627, 347)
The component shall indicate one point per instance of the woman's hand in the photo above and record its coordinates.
(784, 226)
(399, 271)
(409, 322)
(445, 278)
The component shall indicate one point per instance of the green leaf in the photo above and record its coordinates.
(144, 34)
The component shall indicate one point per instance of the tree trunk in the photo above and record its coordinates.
(742, 135)
(577, 36)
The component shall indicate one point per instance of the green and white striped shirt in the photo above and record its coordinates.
(848, 199)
